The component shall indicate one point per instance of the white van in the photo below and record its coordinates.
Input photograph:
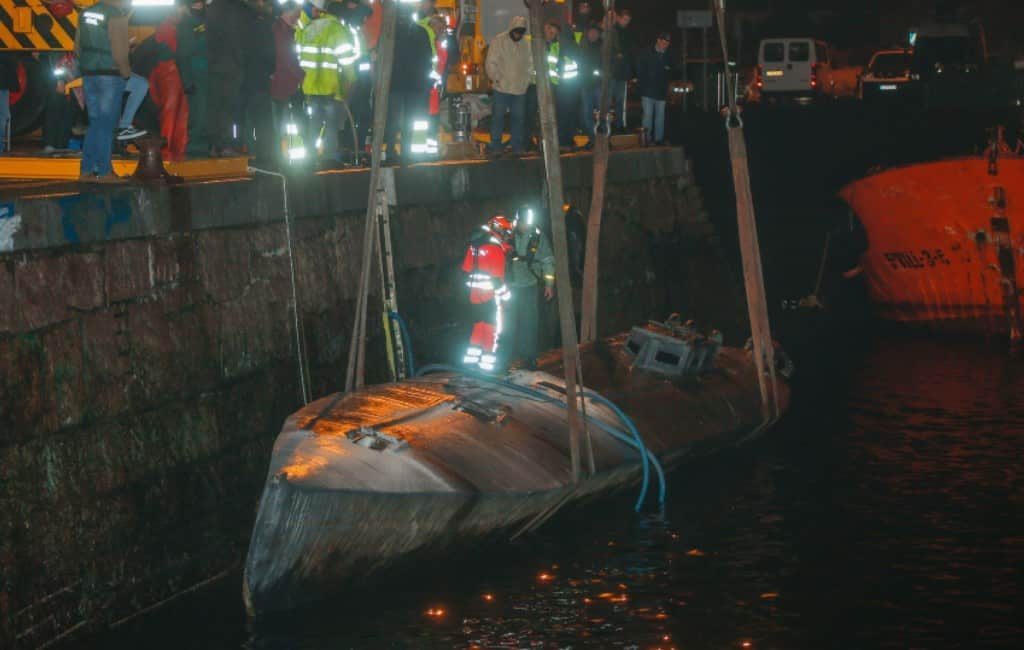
(794, 67)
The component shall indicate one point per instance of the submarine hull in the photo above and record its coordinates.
(361, 482)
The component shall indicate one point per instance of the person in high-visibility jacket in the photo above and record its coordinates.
(581, 21)
(563, 71)
(485, 264)
(325, 50)
(531, 265)
(446, 50)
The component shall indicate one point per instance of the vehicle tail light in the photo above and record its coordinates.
(759, 77)
(814, 76)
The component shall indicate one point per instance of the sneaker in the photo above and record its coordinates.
(130, 133)
(49, 150)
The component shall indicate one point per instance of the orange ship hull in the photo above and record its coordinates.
(945, 241)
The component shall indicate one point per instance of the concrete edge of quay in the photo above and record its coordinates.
(46, 215)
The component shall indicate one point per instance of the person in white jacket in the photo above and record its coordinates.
(510, 68)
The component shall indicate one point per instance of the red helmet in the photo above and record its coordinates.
(500, 227)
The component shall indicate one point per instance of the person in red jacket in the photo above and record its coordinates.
(485, 264)
(168, 92)
(439, 30)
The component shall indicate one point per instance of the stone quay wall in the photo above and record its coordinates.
(147, 355)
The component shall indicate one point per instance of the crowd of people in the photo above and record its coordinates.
(226, 78)
(574, 67)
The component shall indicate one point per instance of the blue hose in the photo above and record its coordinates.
(410, 359)
(632, 439)
(645, 454)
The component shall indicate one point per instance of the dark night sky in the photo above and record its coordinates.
(859, 26)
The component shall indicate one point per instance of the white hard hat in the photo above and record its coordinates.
(319, 4)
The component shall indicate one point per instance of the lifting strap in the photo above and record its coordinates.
(750, 250)
(588, 326)
(579, 438)
(355, 374)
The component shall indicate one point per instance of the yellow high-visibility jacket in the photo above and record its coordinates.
(327, 53)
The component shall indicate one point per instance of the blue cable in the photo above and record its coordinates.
(636, 441)
(644, 452)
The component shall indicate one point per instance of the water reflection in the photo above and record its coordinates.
(886, 512)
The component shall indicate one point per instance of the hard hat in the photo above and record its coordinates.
(527, 214)
(319, 4)
(500, 227)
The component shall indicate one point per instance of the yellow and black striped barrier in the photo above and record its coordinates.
(27, 25)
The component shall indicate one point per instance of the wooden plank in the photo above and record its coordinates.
(553, 169)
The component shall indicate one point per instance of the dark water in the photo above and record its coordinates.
(885, 512)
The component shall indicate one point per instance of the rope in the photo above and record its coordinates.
(300, 352)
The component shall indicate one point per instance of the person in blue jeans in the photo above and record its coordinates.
(509, 65)
(654, 71)
(136, 87)
(101, 45)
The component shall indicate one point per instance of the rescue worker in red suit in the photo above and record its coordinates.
(485, 264)
(167, 91)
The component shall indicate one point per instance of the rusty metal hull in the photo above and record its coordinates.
(466, 460)
(942, 251)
